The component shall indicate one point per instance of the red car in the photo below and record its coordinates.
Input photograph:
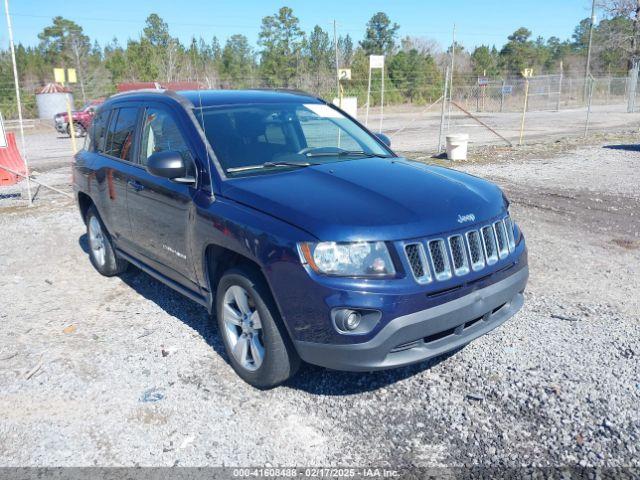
(81, 119)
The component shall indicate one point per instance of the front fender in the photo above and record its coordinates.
(267, 241)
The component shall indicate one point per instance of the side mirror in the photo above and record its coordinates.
(167, 164)
(384, 139)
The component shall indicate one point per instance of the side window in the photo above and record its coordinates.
(97, 132)
(120, 133)
(160, 133)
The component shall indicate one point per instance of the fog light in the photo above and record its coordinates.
(348, 320)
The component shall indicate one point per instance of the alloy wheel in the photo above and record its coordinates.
(97, 241)
(243, 328)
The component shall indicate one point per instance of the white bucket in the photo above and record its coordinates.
(457, 146)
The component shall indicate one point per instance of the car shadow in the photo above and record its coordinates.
(322, 381)
(632, 147)
(310, 378)
(83, 241)
(173, 303)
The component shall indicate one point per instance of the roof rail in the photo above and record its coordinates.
(158, 91)
(142, 90)
(286, 90)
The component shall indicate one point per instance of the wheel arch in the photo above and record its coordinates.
(220, 259)
(84, 203)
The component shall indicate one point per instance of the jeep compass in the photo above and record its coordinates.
(304, 235)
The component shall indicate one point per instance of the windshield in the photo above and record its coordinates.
(254, 138)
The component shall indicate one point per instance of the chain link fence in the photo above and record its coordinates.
(547, 92)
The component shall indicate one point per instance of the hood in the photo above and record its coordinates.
(64, 115)
(370, 199)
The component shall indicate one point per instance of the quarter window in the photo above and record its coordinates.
(97, 132)
(120, 134)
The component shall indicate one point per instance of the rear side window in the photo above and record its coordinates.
(120, 133)
(97, 132)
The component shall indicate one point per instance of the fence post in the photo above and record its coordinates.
(632, 84)
(502, 96)
(442, 111)
(560, 86)
(524, 109)
(590, 81)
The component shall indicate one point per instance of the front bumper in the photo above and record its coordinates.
(425, 334)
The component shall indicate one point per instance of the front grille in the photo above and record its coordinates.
(441, 259)
(458, 255)
(489, 243)
(418, 262)
(501, 236)
(510, 238)
(475, 250)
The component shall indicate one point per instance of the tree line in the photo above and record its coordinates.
(288, 57)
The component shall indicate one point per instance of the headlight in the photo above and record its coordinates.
(357, 259)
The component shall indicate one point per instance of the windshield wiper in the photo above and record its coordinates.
(270, 165)
(347, 153)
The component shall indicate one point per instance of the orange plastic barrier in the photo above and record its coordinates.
(10, 157)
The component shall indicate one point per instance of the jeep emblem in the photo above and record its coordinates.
(469, 217)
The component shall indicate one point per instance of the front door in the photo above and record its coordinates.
(160, 209)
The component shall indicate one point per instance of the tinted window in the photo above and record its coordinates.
(97, 131)
(120, 134)
(160, 133)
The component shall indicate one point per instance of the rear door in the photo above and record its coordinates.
(114, 165)
(161, 209)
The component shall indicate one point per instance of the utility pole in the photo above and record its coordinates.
(587, 70)
(18, 101)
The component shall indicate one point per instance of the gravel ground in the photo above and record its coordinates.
(123, 371)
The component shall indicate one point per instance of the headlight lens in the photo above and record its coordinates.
(357, 259)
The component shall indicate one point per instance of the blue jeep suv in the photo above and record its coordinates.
(300, 231)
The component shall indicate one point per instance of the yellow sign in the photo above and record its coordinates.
(71, 75)
(58, 75)
(527, 72)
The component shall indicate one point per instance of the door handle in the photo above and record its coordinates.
(137, 186)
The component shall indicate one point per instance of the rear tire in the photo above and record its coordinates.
(101, 252)
(256, 342)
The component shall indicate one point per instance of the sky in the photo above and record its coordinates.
(478, 22)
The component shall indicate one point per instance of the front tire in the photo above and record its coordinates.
(258, 348)
(78, 128)
(101, 252)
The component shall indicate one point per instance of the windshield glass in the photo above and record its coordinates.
(248, 139)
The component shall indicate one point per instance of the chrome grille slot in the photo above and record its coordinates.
(509, 227)
(458, 255)
(475, 250)
(418, 262)
(501, 236)
(439, 259)
(489, 244)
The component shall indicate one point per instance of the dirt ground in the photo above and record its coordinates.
(123, 371)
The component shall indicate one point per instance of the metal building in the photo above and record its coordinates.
(52, 99)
